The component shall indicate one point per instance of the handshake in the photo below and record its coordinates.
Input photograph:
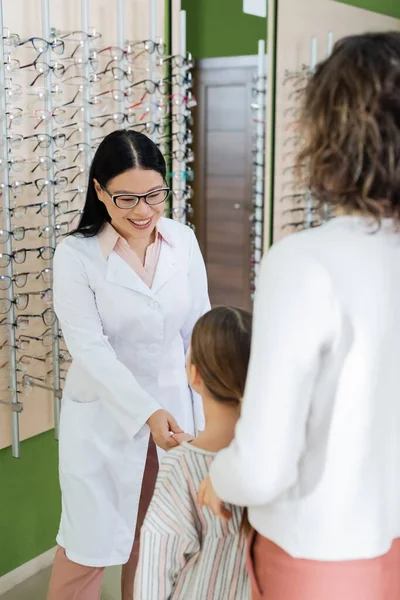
(165, 430)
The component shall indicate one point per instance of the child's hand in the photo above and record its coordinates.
(207, 497)
(182, 437)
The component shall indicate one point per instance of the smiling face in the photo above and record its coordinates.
(138, 222)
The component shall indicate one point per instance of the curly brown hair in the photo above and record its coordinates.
(351, 126)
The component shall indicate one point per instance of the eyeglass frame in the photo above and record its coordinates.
(114, 197)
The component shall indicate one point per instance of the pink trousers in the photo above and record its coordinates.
(277, 576)
(71, 581)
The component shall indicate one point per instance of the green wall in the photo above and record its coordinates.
(391, 8)
(220, 28)
(29, 501)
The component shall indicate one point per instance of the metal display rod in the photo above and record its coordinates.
(308, 197)
(46, 32)
(12, 356)
(182, 71)
(85, 11)
(153, 63)
(121, 44)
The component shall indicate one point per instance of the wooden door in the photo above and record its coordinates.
(223, 186)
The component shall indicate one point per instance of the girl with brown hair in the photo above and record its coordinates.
(185, 551)
(316, 454)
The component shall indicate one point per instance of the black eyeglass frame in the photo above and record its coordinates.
(114, 197)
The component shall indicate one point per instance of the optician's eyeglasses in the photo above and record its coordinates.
(131, 200)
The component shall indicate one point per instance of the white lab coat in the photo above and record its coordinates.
(128, 345)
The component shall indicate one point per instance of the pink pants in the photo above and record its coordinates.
(71, 581)
(277, 576)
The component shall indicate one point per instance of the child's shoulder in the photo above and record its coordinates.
(188, 461)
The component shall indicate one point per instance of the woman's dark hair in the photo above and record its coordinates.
(220, 350)
(351, 120)
(120, 151)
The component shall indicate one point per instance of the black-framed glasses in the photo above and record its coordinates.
(43, 140)
(20, 279)
(41, 45)
(18, 234)
(19, 256)
(46, 209)
(48, 317)
(126, 201)
(46, 338)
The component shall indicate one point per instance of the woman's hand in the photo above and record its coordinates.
(162, 424)
(207, 497)
(182, 437)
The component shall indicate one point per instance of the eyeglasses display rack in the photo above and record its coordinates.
(61, 93)
(258, 106)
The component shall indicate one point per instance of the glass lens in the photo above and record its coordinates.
(47, 253)
(59, 140)
(117, 73)
(4, 236)
(150, 127)
(23, 345)
(17, 164)
(58, 69)
(63, 228)
(19, 234)
(20, 256)
(116, 53)
(62, 183)
(5, 282)
(47, 296)
(4, 260)
(42, 67)
(59, 115)
(62, 206)
(16, 141)
(22, 301)
(22, 323)
(21, 279)
(44, 140)
(157, 197)
(46, 209)
(5, 305)
(44, 163)
(58, 46)
(15, 116)
(46, 232)
(49, 317)
(126, 201)
(47, 339)
(12, 66)
(149, 46)
(39, 44)
(47, 275)
(150, 86)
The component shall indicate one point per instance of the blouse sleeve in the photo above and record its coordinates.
(294, 322)
(169, 538)
(75, 306)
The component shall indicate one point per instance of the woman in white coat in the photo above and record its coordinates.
(316, 455)
(129, 286)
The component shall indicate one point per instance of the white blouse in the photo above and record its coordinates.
(316, 454)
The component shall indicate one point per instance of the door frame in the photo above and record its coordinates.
(206, 73)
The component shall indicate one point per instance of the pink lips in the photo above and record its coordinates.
(144, 226)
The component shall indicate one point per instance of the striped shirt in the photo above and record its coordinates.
(185, 551)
